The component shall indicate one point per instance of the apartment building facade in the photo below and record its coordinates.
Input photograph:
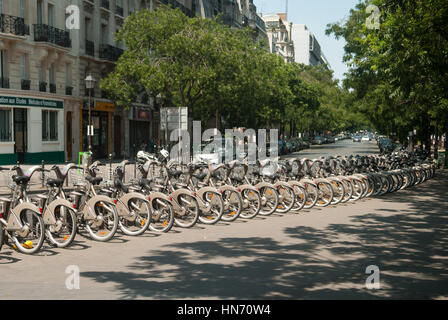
(279, 32)
(234, 13)
(44, 103)
(43, 98)
(36, 70)
(306, 47)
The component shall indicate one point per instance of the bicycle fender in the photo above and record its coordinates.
(308, 181)
(14, 223)
(203, 190)
(226, 188)
(48, 215)
(260, 185)
(89, 213)
(122, 203)
(281, 184)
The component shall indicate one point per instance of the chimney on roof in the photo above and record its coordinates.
(282, 16)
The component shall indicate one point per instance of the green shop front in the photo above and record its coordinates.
(31, 130)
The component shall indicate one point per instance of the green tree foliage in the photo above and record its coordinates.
(218, 71)
(398, 72)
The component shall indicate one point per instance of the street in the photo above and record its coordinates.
(321, 253)
(340, 148)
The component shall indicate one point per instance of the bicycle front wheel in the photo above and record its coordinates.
(252, 203)
(138, 219)
(190, 211)
(325, 194)
(269, 200)
(286, 199)
(233, 205)
(104, 227)
(214, 208)
(162, 218)
(31, 238)
(63, 232)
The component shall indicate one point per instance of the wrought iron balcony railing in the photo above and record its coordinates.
(119, 10)
(68, 90)
(90, 48)
(26, 84)
(174, 4)
(260, 23)
(46, 33)
(109, 52)
(4, 82)
(13, 25)
(105, 4)
(52, 88)
(42, 86)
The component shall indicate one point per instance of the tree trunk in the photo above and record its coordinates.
(217, 120)
(436, 144)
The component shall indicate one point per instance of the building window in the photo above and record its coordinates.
(4, 80)
(22, 9)
(39, 12)
(51, 15)
(104, 33)
(5, 125)
(49, 125)
(68, 79)
(24, 67)
(68, 75)
(52, 78)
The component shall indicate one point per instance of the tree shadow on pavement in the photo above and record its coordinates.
(409, 246)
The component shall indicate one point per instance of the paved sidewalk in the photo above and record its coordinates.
(320, 253)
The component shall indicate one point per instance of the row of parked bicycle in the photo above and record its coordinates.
(165, 194)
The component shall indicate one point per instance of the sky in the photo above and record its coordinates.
(316, 14)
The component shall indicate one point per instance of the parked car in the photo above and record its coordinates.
(305, 143)
(331, 140)
(317, 140)
(288, 147)
(281, 148)
(296, 145)
(356, 138)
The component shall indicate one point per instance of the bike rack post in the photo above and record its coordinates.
(135, 166)
(43, 173)
(110, 166)
(66, 179)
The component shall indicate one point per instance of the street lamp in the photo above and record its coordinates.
(90, 84)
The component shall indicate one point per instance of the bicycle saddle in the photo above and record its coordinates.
(174, 173)
(144, 183)
(20, 179)
(94, 180)
(54, 182)
(200, 176)
(119, 185)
